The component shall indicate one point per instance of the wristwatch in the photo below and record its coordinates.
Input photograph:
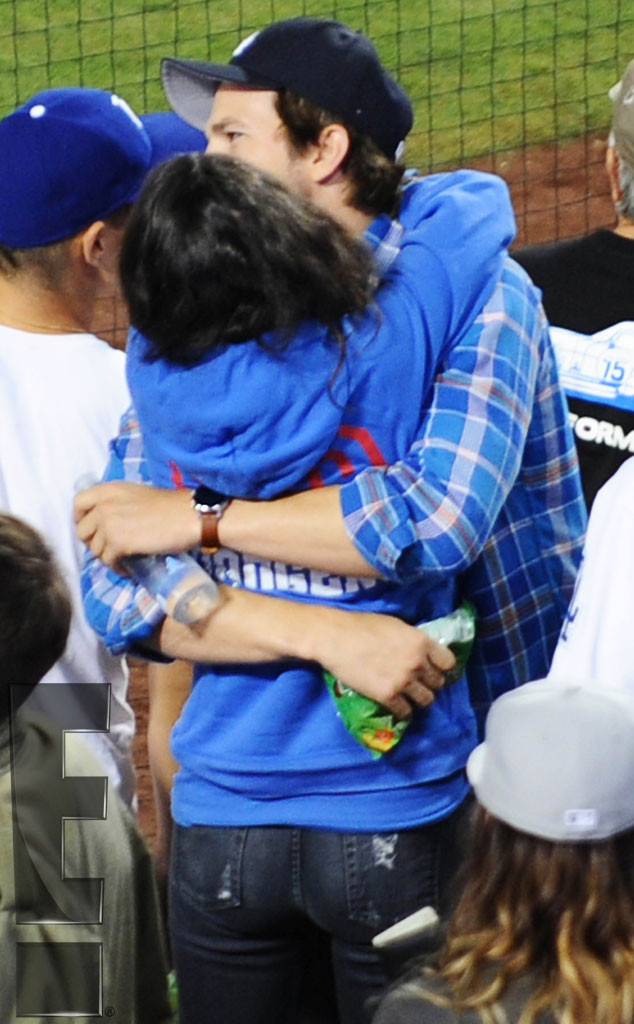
(210, 506)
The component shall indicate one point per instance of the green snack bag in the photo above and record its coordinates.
(373, 725)
(369, 722)
(457, 632)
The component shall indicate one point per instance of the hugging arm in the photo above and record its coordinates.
(383, 509)
(427, 516)
(380, 656)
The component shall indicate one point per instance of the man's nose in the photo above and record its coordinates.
(216, 144)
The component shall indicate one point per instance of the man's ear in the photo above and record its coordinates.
(612, 166)
(329, 152)
(100, 245)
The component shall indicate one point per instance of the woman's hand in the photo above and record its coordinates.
(117, 519)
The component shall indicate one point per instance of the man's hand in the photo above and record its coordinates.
(119, 518)
(385, 659)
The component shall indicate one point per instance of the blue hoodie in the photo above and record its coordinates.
(262, 744)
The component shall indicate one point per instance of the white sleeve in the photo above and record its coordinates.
(597, 639)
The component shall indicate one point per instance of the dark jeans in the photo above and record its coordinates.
(242, 900)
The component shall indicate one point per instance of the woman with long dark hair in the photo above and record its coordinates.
(543, 932)
(216, 253)
(258, 295)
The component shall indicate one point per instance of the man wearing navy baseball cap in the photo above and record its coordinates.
(309, 101)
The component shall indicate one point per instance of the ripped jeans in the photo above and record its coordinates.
(242, 901)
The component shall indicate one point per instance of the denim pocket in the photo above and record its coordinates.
(388, 875)
(206, 867)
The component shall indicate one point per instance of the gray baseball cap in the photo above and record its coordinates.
(557, 761)
(622, 96)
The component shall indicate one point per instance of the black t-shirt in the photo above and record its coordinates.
(587, 286)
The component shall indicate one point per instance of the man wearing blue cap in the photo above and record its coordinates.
(72, 161)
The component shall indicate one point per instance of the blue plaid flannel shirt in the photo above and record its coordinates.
(490, 493)
(120, 610)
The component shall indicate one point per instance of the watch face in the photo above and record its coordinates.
(206, 496)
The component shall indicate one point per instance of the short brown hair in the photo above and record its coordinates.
(35, 608)
(374, 179)
(47, 261)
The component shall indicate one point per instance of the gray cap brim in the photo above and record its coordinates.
(190, 86)
(475, 765)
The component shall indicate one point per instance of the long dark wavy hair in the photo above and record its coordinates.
(562, 911)
(217, 253)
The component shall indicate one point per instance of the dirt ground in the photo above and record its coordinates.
(558, 192)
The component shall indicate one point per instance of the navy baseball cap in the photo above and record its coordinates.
(323, 61)
(68, 157)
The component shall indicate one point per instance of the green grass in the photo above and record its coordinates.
(484, 75)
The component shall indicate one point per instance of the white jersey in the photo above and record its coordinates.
(61, 398)
(597, 639)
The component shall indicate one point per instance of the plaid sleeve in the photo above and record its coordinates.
(432, 512)
(121, 611)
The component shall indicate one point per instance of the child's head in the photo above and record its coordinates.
(218, 253)
(35, 609)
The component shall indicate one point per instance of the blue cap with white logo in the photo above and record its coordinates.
(68, 157)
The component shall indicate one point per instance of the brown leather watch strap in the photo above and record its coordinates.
(209, 531)
(210, 507)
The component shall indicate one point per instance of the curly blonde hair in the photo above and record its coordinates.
(563, 912)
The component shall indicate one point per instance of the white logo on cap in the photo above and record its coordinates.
(37, 111)
(241, 47)
(581, 820)
(118, 102)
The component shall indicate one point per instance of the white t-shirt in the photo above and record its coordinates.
(61, 398)
(597, 638)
